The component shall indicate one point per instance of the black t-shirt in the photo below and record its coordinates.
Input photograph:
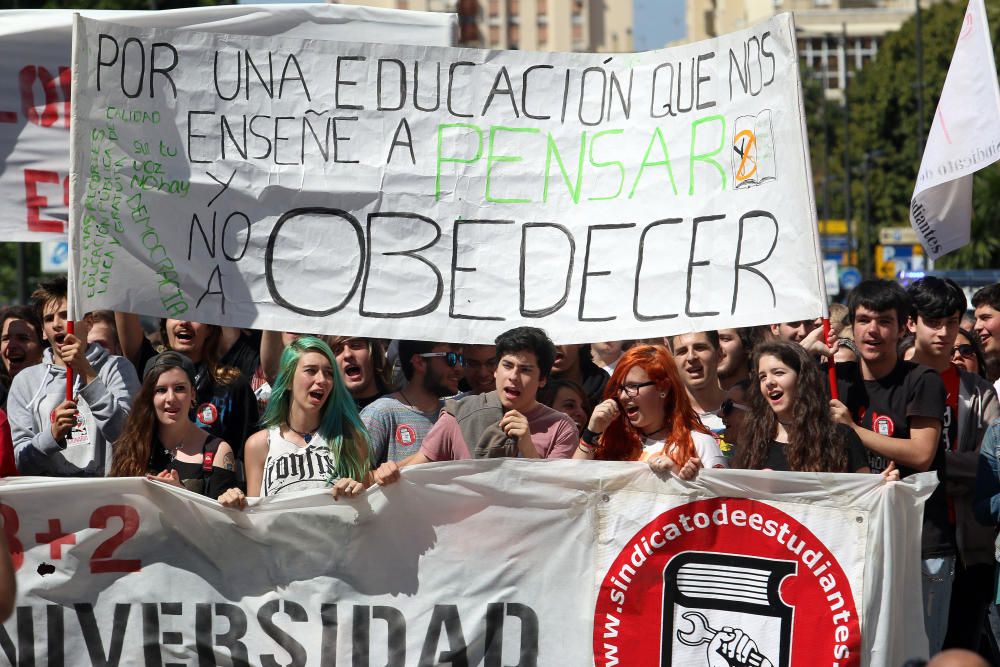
(146, 352)
(857, 455)
(886, 406)
(243, 355)
(204, 478)
(228, 411)
(595, 379)
(362, 403)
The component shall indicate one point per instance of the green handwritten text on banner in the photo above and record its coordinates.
(440, 193)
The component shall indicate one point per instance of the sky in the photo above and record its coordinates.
(656, 21)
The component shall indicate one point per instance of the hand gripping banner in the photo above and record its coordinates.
(495, 562)
(492, 562)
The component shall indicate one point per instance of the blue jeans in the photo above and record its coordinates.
(937, 575)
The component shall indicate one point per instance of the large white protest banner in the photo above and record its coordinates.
(498, 562)
(429, 193)
(35, 57)
(964, 138)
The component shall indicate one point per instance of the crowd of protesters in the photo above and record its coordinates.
(232, 413)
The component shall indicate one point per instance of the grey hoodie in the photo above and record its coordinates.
(103, 405)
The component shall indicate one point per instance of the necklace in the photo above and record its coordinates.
(406, 399)
(307, 436)
(172, 451)
(652, 433)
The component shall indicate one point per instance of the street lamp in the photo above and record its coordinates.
(842, 63)
(919, 84)
(868, 266)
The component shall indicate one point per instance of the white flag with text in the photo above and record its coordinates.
(964, 138)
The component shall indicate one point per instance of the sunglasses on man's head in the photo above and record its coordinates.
(729, 405)
(964, 350)
(451, 358)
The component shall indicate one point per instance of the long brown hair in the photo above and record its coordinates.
(815, 444)
(131, 452)
(621, 441)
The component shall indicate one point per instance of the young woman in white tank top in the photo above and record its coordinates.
(313, 436)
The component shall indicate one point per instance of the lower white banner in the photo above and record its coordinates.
(495, 563)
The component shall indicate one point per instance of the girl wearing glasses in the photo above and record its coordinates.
(646, 416)
(967, 353)
(314, 437)
(789, 425)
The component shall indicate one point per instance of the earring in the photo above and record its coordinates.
(663, 394)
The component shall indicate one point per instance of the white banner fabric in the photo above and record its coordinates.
(964, 138)
(434, 193)
(498, 562)
(35, 58)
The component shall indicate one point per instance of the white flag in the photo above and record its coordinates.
(964, 138)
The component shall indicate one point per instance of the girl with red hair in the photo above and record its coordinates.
(646, 416)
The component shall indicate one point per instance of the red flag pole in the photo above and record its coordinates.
(69, 369)
(831, 367)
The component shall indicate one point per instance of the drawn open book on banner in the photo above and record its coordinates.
(724, 610)
(753, 150)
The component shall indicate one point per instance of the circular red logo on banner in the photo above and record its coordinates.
(726, 582)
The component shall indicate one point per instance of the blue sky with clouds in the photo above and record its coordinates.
(656, 21)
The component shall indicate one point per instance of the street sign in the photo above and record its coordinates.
(849, 277)
(891, 260)
(897, 236)
(55, 256)
(832, 226)
(834, 242)
(831, 275)
(842, 258)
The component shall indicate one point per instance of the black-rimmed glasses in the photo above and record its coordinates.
(632, 390)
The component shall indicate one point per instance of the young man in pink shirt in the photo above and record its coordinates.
(508, 421)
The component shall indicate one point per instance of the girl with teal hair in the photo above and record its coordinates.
(312, 435)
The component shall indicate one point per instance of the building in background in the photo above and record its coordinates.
(835, 37)
(603, 26)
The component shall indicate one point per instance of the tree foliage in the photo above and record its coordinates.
(884, 125)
